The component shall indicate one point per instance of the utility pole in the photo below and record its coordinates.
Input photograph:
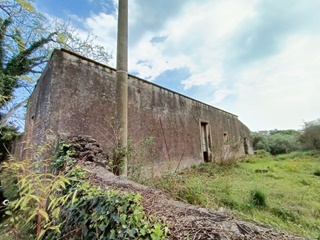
(122, 84)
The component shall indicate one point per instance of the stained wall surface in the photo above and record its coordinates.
(168, 131)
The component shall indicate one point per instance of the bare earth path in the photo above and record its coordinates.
(187, 221)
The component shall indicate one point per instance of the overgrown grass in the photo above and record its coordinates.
(281, 191)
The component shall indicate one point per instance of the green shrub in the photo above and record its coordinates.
(317, 173)
(277, 141)
(260, 141)
(63, 157)
(310, 137)
(257, 198)
(106, 214)
(261, 153)
(282, 143)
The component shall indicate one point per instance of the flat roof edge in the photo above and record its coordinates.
(132, 76)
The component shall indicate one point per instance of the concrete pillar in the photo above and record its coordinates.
(122, 81)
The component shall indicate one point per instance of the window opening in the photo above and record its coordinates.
(225, 137)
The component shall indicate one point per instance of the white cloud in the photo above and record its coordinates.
(282, 91)
(211, 77)
(274, 90)
(195, 39)
(220, 94)
(104, 26)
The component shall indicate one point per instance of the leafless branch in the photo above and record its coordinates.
(11, 112)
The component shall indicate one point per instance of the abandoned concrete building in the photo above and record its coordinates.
(76, 96)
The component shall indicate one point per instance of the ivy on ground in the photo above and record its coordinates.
(106, 214)
(96, 213)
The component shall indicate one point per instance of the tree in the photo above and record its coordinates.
(310, 137)
(277, 141)
(281, 143)
(260, 141)
(27, 39)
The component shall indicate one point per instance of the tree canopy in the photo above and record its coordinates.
(310, 137)
(27, 39)
(285, 141)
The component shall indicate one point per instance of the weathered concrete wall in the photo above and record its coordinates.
(77, 96)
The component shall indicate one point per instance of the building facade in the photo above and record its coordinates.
(167, 131)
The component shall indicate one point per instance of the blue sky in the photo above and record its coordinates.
(258, 59)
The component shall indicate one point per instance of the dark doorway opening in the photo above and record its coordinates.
(245, 146)
(205, 141)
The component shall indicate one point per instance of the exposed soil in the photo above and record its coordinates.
(184, 220)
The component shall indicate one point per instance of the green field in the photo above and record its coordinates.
(281, 191)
